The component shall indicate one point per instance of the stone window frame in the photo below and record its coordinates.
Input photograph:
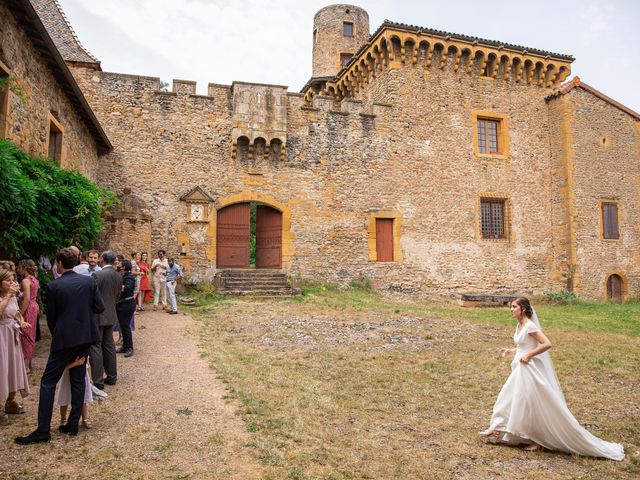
(506, 215)
(601, 205)
(625, 284)
(59, 155)
(353, 29)
(340, 55)
(503, 133)
(5, 71)
(397, 232)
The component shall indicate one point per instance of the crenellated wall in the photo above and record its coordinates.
(394, 138)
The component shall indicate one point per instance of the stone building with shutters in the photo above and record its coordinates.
(425, 161)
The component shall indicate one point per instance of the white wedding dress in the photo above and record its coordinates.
(531, 406)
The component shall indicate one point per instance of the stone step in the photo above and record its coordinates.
(259, 293)
(279, 281)
(255, 287)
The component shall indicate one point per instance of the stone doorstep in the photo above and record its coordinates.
(259, 294)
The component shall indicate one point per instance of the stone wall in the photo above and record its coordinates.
(412, 155)
(28, 124)
(606, 168)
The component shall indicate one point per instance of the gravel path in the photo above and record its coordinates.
(167, 417)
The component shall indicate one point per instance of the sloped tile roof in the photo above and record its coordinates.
(61, 32)
(577, 83)
(471, 39)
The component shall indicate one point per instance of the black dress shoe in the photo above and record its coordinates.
(120, 350)
(33, 437)
(128, 353)
(109, 381)
(99, 386)
(68, 429)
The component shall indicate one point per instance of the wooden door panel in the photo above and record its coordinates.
(233, 232)
(614, 288)
(384, 239)
(268, 237)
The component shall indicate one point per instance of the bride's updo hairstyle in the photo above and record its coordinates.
(525, 305)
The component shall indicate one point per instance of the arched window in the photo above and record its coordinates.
(243, 148)
(259, 147)
(276, 149)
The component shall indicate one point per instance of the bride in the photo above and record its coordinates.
(531, 408)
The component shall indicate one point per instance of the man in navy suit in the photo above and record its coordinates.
(72, 299)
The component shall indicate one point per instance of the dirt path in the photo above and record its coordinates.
(167, 417)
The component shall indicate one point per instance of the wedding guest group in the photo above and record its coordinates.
(90, 294)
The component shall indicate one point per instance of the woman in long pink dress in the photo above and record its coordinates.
(29, 307)
(13, 374)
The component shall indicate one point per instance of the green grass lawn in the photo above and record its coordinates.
(350, 384)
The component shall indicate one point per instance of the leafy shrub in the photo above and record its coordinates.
(44, 207)
(563, 297)
(361, 283)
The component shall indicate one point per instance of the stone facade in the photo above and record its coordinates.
(392, 137)
(600, 164)
(45, 100)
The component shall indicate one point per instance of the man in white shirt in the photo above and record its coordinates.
(159, 268)
(88, 263)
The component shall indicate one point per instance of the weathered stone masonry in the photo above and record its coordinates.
(392, 135)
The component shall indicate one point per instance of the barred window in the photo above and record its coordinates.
(488, 134)
(492, 211)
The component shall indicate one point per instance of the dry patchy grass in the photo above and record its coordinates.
(351, 385)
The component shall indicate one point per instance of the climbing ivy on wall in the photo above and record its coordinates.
(44, 207)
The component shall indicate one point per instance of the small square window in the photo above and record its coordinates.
(345, 58)
(610, 221)
(347, 29)
(492, 217)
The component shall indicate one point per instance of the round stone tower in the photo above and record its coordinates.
(338, 32)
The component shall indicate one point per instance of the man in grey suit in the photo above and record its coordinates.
(103, 354)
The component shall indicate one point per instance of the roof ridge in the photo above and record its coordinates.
(72, 31)
(470, 38)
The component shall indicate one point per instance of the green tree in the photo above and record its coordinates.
(44, 207)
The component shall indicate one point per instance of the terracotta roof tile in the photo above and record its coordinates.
(61, 32)
(576, 82)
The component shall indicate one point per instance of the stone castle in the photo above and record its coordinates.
(425, 161)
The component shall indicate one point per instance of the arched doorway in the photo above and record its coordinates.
(240, 223)
(614, 288)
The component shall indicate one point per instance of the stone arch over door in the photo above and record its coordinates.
(616, 287)
(246, 197)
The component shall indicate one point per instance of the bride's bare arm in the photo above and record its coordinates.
(544, 345)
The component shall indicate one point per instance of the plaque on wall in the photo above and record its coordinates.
(197, 205)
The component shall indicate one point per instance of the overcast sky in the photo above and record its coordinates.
(220, 41)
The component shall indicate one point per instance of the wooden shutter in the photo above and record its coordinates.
(610, 220)
(384, 239)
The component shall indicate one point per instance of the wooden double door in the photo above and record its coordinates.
(234, 236)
